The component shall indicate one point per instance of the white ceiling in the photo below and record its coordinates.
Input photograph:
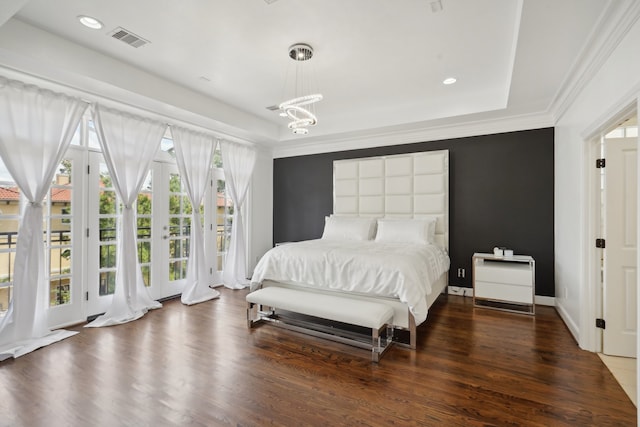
(378, 63)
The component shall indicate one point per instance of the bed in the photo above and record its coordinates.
(386, 241)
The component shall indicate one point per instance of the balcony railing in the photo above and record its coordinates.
(60, 281)
(60, 290)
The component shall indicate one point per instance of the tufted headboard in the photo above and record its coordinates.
(400, 186)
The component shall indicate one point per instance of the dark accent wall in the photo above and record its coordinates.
(500, 194)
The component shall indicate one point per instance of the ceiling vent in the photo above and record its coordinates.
(128, 37)
(269, 1)
(273, 108)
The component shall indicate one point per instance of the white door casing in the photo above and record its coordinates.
(620, 255)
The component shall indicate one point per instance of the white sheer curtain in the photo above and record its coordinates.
(238, 162)
(128, 143)
(194, 155)
(36, 127)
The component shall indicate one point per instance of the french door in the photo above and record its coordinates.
(64, 246)
(80, 215)
(164, 225)
(172, 215)
(62, 238)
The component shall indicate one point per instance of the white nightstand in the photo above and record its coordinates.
(504, 283)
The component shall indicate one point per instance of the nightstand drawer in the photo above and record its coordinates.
(503, 292)
(503, 272)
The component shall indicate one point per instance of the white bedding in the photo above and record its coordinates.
(397, 270)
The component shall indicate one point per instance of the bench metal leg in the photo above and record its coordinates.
(250, 318)
(380, 344)
(256, 313)
(381, 339)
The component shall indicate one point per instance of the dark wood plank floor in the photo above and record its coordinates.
(200, 366)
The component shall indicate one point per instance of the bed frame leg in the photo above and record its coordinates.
(380, 344)
(413, 333)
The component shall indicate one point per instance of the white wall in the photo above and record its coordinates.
(261, 227)
(615, 84)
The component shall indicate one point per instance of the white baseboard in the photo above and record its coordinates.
(468, 292)
(571, 325)
(544, 300)
(459, 290)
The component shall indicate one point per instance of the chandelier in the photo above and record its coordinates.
(300, 109)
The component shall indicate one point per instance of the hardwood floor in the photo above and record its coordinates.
(200, 366)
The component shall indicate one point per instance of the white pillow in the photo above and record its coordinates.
(348, 228)
(406, 230)
(431, 230)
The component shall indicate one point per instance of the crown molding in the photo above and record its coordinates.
(407, 135)
(614, 24)
(10, 8)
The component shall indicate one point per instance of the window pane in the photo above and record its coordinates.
(107, 229)
(177, 270)
(144, 228)
(224, 219)
(57, 222)
(616, 133)
(167, 146)
(59, 260)
(107, 202)
(144, 204)
(9, 222)
(217, 157)
(107, 282)
(144, 252)
(175, 184)
(93, 136)
(146, 275)
(59, 291)
(187, 208)
(107, 256)
(174, 204)
(76, 136)
(186, 227)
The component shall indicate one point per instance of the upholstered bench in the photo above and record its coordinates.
(366, 314)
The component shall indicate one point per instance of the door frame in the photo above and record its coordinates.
(591, 306)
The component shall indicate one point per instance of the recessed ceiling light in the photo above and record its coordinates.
(449, 81)
(90, 22)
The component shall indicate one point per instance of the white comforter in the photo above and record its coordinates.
(397, 270)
